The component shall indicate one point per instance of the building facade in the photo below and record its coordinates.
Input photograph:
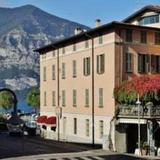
(78, 76)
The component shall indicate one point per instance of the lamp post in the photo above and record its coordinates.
(139, 127)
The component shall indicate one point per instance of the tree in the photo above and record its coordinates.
(6, 100)
(33, 98)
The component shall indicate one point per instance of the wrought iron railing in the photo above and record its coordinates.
(147, 111)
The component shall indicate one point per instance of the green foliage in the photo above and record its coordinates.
(124, 97)
(148, 88)
(6, 100)
(33, 98)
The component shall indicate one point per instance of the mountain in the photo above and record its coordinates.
(22, 30)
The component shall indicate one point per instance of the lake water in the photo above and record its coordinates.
(23, 106)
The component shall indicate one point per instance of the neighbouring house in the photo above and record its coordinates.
(78, 76)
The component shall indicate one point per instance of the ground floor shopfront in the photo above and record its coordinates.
(135, 126)
(78, 128)
(127, 134)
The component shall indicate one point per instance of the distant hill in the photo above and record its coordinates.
(23, 29)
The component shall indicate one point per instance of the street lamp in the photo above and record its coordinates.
(139, 127)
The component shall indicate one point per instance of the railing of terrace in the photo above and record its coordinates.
(147, 111)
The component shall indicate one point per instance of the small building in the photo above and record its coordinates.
(78, 75)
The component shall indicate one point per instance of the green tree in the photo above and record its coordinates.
(6, 100)
(33, 98)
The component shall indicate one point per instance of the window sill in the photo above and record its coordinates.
(100, 73)
(100, 106)
(129, 72)
(74, 105)
(86, 106)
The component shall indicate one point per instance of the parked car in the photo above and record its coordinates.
(30, 127)
(15, 125)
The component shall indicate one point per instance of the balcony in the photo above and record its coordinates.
(148, 111)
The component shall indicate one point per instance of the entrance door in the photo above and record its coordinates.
(132, 136)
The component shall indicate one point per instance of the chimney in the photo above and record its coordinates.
(98, 22)
(77, 30)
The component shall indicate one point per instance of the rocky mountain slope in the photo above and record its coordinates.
(22, 30)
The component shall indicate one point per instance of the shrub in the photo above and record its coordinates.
(148, 88)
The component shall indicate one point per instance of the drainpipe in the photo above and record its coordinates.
(58, 96)
(58, 93)
(93, 105)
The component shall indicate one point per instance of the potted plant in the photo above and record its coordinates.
(144, 148)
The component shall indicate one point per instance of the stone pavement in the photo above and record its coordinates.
(85, 155)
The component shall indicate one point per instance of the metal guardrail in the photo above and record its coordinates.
(147, 111)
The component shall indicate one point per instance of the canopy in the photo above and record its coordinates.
(51, 121)
(41, 119)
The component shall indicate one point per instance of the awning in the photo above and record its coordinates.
(42, 119)
(131, 121)
(51, 121)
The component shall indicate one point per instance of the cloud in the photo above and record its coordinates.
(3, 3)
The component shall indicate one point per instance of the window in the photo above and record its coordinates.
(87, 97)
(87, 127)
(53, 72)
(100, 39)
(44, 74)
(53, 98)
(63, 71)
(74, 66)
(157, 38)
(86, 66)
(74, 98)
(100, 128)
(63, 98)
(75, 125)
(155, 64)
(129, 62)
(45, 98)
(100, 64)
(143, 63)
(44, 56)
(149, 20)
(54, 53)
(100, 97)
(86, 44)
(143, 37)
(74, 47)
(63, 50)
(128, 35)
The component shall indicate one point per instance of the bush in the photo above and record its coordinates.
(148, 88)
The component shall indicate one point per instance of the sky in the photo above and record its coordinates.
(85, 11)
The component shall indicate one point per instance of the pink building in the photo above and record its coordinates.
(78, 76)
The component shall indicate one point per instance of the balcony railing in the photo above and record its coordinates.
(147, 111)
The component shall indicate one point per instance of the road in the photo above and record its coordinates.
(14, 148)
(11, 146)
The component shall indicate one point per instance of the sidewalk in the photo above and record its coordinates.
(62, 155)
(90, 153)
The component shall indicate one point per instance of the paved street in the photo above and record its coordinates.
(35, 148)
(11, 146)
